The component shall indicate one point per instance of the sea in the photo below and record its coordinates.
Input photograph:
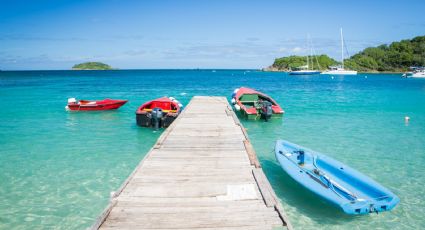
(58, 168)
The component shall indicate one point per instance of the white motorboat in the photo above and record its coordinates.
(417, 72)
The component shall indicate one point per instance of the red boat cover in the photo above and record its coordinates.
(166, 104)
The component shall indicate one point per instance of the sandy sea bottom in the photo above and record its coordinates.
(57, 168)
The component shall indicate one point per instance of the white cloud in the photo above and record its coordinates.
(297, 49)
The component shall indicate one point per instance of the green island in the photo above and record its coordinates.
(396, 57)
(320, 62)
(92, 66)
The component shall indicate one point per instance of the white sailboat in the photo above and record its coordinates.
(339, 70)
(305, 70)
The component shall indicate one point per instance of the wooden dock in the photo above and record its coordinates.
(201, 174)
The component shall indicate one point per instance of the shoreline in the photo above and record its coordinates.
(165, 69)
(144, 69)
(374, 72)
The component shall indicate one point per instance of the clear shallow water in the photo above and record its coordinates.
(57, 168)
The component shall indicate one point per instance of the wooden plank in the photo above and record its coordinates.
(184, 213)
(199, 175)
(264, 188)
(195, 163)
(184, 202)
(245, 227)
(251, 154)
(228, 179)
(190, 170)
(217, 210)
(269, 195)
(105, 213)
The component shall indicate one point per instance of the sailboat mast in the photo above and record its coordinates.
(311, 52)
(342, 49)
(308, 66)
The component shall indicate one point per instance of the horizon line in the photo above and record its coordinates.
(118, 69)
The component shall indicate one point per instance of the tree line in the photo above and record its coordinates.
(396, 57)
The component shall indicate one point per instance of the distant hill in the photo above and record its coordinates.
(396, 57)
(92, 66)
(321, 62)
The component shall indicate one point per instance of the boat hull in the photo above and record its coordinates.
(257, 116)
(417, 75)
(304, 72)
(144, 119)
(333, 181)
(340, 72)
(96, 105)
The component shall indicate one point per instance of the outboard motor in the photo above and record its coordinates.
(157, 115)
(266, 110)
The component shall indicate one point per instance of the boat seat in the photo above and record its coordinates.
(249, 98)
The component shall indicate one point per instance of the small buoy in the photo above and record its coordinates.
(237, 107)
(332, 77)
(233, 101)
(180, 105)
(406, 119)
(365, 76)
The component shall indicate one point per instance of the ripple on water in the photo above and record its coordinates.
(57, 169)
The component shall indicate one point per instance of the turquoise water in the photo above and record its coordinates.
(57, 168)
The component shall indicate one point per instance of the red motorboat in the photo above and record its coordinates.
(158, 113)
(85, 105)
(254, 105)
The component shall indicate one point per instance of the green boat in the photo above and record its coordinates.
(255, 105)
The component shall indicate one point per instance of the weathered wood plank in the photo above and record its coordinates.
(199, 228)
(264, 187)
(251, 154)
(184, 202)
(191, 171)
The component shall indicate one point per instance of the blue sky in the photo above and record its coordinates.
(55, 34)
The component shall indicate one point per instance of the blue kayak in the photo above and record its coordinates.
(337, 183)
